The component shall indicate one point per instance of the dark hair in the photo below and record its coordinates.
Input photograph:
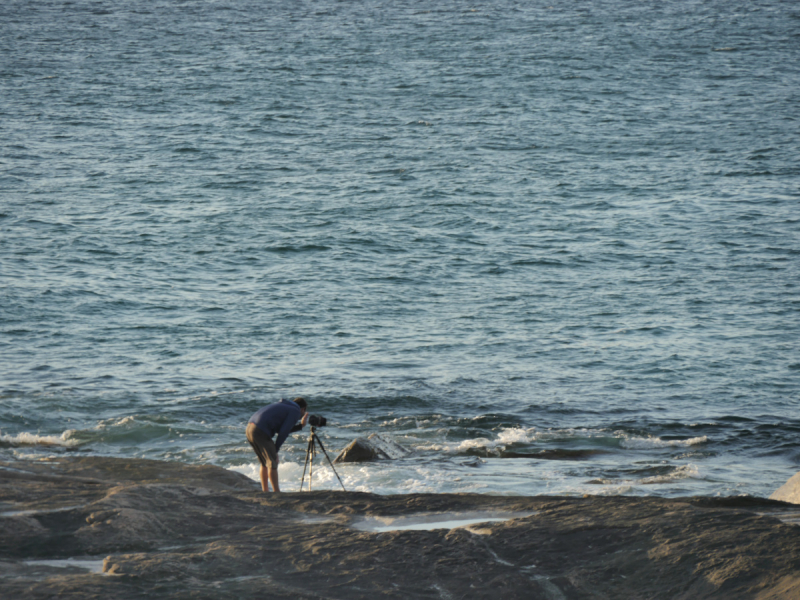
(301, 402)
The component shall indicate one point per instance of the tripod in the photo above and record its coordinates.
(313, 440)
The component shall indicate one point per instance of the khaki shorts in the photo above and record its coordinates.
(262, 444)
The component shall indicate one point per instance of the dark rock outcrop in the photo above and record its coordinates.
(375, 447)
(113, 528)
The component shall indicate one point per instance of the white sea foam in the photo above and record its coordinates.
(289, 474)
(609, 490)
(34, 439)
(366, 477)
(689, 471)
(516, 435)
(507, 436)
(250, 470)
(115, 422)
(641, 443)
(474, 443)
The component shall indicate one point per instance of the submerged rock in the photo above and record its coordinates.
(789, 491)
(375, 447)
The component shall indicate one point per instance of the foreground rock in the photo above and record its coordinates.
(153, 529)
(789, 491)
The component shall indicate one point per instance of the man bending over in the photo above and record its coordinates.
(281, 418)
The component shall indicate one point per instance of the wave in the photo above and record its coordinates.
(115, 422)
(34, 439)
(689, 471)
(554, 454)
(518, 436)
(642, 443)
(506, 437)
(673, 474)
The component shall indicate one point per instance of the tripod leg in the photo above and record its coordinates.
(329, 461)
(311, 462)
(308, 456)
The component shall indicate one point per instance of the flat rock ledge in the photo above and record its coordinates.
(94, 527)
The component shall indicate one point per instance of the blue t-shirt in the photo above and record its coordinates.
(278, 418)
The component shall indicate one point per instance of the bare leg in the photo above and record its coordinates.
(273, 478)
(264, 475)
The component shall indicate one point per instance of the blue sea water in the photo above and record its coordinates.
(549, 247)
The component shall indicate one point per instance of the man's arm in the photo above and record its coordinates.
(286, 428)
(301, 424)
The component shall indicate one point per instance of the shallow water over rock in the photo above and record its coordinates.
(429, 522)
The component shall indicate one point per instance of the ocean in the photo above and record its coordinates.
(550, 248)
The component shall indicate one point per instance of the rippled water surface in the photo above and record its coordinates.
(549, 247)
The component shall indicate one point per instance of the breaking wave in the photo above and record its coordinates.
(518, 435)
(641, 443)
(688, 471)
(507, 436)
(683, 472)
(34, 439)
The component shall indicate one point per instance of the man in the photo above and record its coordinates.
(280, 418)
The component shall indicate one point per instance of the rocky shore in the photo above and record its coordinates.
(94, 527)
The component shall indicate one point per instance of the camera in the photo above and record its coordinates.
(317, 421)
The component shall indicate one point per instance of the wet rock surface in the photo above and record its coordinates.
(93, 527)
(375, 447)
